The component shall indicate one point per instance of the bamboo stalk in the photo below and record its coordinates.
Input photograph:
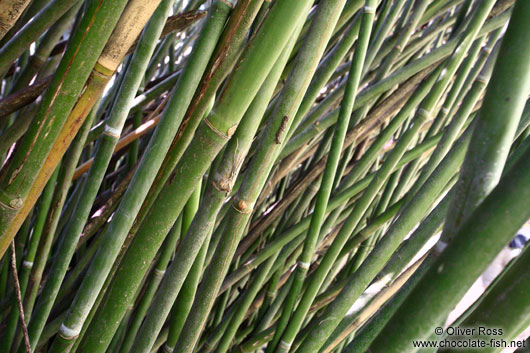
(10, 11)
(32, 30)
(19, 178)
(487, 226)
(496, 126)
(262, 105)
(122, 221)
(326, 184)
(505, 299)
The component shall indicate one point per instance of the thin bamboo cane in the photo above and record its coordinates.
(489, 226)
(154, 320)
(122, 220)
(70, 77)
(327, 181)
(32, 30)
(224, 57)
(384, 295)
(224, 176)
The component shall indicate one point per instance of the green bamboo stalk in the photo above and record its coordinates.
(378, 113)
(456, 124)
(146, 172)
(326, 68)
(299, 228)
(225, 56)
(246, 197)
(223, 184)
(497, 122)
(27, 264)
(365, 335)
(328, 177)
(182, 306)
(43, 51)
(362, 166)
(70, 77)
(223, 177)
(403, 39)
(93, 182)
(504, 306)
(372, 300)
(245, 303)
(170, 200)
(358, 212)
(385, 7)
(489, 225)
(351, 290)
(59, 198)
(31, 31)
(150, 291)
(380, 33)
(389, 243)
(409, 248)
(403, 73)
(183, 302)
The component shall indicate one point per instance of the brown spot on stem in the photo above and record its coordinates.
(281, 129)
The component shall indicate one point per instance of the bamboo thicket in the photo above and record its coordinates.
(260, 176)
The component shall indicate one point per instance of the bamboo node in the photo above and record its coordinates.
(368, 9)
(215, 130)
(167, 348)
(486, 50)
(14, 204)
(159, 271)
(439, 247)
(248, 263)
(112, 131)
(229, 3)
(304, 265)
(241, 206)
(101, 71)
(68, 333)
(281, 130)
(232, 130)
(284, 345)
(207, 346)
(482, 79)
(222, 185)
(425, 114)
(27, 264)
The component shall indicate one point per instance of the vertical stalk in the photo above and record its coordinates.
(143, 178)
(18, 178)
(496, 123)
(326, 185)
(492, 226)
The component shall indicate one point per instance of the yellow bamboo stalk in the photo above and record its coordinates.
(10, 11)
(129, 26)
